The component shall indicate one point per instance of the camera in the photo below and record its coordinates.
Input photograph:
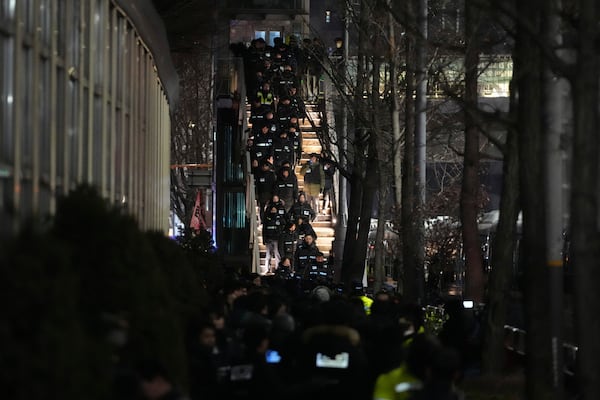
(340, 361)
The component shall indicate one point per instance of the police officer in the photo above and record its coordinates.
(306, 254)
(264, 182)
(272, 226)
(286, 187)
(301, 208)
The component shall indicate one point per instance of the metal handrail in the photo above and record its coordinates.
(514, 340)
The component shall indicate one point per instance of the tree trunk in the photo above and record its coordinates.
(359, 163)
(584, 202)
(409, 247)
(420, 144)
(396, 131)
(469, 204)
(380, 157)
(502, 256)
(528, 70)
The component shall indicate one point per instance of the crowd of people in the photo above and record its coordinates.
(295, 334)
(280, 78)
(269, 337)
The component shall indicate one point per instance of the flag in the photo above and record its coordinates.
(198, 223)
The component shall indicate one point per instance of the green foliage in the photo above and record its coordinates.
(66, 290)
(434, 319)
(199, 248)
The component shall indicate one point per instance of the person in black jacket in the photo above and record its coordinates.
(279, 204)
(301, 209)
(283, 149)
(329, 167)
(288, 240)
(264, 183)
(272, 226)
(286, 187)
(304, 228)
(261, 145)
(306, 254)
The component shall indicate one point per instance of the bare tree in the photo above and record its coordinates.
(191, 136)
(584, 198)
(470, 181)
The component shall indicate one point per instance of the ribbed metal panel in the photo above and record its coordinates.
(85, 98)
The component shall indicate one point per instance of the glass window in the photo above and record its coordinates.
(7, 9)
(98, 38)
(44, 114)
(260, 35)
(61, 27)
(97, 148)
(45, 20)
(72, 132)
(26, 108)
(61, 126)
(6, 101)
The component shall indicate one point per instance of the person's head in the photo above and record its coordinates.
(314, 157)
(285, 172)
(320, 257)
(266, 166)
(287, 165)
(309, 239)
(217, 318)
(269, 115)
(206, 336)
(233, 290)
(273, 210)
(290, 226)
(411, 318)
(285, 262)
(264, 129)
(154, 380)
(275, 199)
(255, 279)
(301, 198)
(383, 296)
(357, 288)
(293, 90)
(266, 86)
(339, 43)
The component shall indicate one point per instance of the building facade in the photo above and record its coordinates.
(86, 89)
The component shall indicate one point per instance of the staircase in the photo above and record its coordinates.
(323, 224)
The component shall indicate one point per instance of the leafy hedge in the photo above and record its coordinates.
(66, 289)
